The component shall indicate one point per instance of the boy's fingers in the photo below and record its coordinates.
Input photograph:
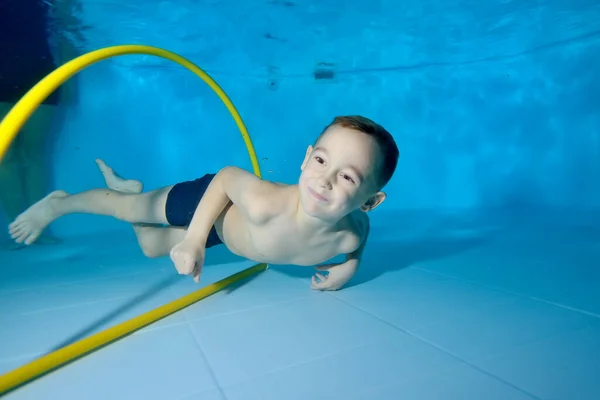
(313, 281)
(196, 272)
(318, 285)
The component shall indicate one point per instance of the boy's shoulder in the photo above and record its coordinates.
(360, 224)
(266, 198)
(355, 230)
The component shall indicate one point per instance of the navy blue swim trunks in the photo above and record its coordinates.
(182, 200)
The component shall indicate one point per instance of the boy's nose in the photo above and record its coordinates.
(325, 182)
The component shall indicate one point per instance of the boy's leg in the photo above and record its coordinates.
(154, 240)
(157, 241)
(130, 207)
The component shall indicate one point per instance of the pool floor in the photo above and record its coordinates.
(515, 315)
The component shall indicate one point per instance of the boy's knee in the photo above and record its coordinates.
(151, 245)
(151, 251)
(142, 208)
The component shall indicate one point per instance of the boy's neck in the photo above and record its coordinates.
(307, 222)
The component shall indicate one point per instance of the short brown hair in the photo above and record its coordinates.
(386, 142)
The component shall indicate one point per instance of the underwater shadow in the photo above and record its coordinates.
(382, 256)
(151, 291)
(238, 284)
(220, 255)
(388, 256)
(105, 320)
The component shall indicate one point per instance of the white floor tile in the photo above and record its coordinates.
(261, 340)
(459, 383)
(413, 299)
(345, 373)
(497, 328)
(562, 366)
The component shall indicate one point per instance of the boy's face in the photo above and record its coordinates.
(339, 175)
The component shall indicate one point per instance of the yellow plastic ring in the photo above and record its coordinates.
(18, 115)
(61, 357)
(11, 125)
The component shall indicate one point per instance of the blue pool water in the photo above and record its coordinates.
(481, 276)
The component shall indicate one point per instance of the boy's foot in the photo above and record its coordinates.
(117, 183)
(28, 226)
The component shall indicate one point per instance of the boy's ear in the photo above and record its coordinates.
(373, 202)
(306, 157)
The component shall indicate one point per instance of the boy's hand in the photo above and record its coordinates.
(188, 258)
(339, 275)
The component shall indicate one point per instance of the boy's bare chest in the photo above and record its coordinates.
(281, 241)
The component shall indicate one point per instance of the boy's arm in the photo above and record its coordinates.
(340, 273)
(230, 184)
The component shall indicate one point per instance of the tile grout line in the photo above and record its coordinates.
(72, 305)
(209, 317)
(188, 325)
(497, 289)
(67, 284)
(483, 371)
(205, 357)
(431, 344)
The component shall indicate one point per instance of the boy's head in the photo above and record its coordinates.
(351, 161)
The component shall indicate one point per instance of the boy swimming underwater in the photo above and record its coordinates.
(320, 217)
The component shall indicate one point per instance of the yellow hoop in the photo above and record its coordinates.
(52, 361)
(11, 125)
(18, 115)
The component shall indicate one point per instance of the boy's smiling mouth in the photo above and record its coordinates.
(317, 195)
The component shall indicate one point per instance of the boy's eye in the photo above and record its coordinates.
(319, 160)
(348, 178)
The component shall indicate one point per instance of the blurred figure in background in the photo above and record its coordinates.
(25, 59)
